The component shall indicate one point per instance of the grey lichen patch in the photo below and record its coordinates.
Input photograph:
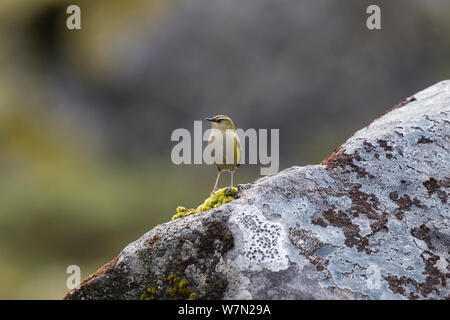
(238, 282)
(260, 241)
(309, 246)
(304, 240)
(435, 282)
(270, 214)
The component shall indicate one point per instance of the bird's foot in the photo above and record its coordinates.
(229, 191)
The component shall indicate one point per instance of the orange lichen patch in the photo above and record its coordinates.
(396, 106)
(340, 159)
(268, 175)
(92, 279)
(401, 104)
(327, 161)
(106, 268)
(152, 240)
(256, 179)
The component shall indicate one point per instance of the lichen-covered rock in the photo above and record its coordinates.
(371, 222)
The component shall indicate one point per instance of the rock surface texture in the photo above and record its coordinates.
(372, 221)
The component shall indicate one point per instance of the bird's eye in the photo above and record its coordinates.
(220, 120)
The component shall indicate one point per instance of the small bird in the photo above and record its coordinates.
(223, 130)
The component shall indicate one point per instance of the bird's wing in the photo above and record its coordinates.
(237, 150)
(210, 141)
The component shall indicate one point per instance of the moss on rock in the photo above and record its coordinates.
(220, 197)
(149, 294)
(177, 289)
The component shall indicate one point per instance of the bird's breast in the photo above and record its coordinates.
(223, 148)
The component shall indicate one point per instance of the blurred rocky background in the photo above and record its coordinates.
(86, 116)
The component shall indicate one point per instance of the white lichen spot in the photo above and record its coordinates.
(261, 241)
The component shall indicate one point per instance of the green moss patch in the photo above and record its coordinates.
(149, 294)
(220, 197)
(178, 290)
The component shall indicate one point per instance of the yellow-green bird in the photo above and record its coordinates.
(223, 131)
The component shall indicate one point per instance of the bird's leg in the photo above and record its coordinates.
(230, 188)
(215, 185)
(231, 185)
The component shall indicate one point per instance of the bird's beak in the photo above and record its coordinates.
(210, 119)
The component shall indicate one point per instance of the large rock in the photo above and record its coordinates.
(370, 222)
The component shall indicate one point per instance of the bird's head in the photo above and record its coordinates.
(221, 122)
